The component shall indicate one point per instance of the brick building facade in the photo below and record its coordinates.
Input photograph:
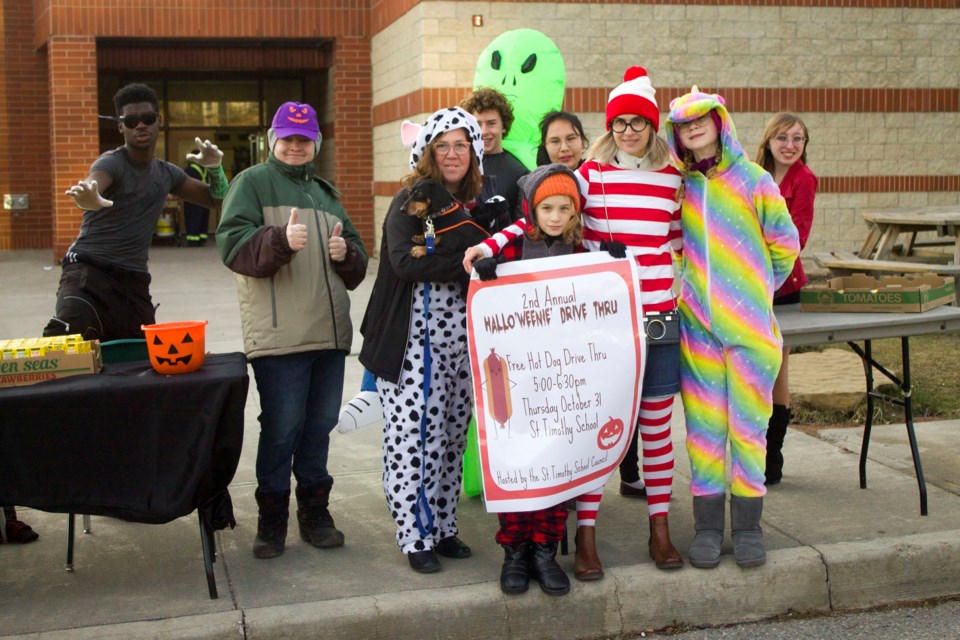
(876, 81)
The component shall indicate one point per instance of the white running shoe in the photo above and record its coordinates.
(362, 411)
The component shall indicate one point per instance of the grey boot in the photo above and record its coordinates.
(747, 535)
(313, 516)
(271, 524)
(708, 520)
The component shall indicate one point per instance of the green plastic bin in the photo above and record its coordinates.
(123, 350)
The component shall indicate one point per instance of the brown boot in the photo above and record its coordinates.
(587, 563)
(662, 551)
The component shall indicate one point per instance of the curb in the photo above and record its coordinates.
(844, 575)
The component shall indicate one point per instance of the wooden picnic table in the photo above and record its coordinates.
(883, 251)
(886, 226)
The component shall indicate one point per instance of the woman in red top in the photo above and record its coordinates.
(783, 153)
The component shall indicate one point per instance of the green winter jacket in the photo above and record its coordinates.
(289, 301)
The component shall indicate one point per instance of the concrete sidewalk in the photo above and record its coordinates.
(830, 544)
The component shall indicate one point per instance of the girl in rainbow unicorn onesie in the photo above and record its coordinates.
(739, 246)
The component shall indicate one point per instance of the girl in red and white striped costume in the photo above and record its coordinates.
(630, 190)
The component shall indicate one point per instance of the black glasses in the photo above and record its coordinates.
(131, 122)
(638, 124)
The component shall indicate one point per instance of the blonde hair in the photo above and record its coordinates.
(605, 148)
(779, 122)
(427, 168)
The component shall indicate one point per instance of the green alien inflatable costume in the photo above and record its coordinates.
(526, 67)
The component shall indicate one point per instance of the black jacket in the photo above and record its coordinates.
(387, 318)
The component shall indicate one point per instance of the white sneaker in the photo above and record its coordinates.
(362, 411)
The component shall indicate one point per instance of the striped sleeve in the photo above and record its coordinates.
(502, 240)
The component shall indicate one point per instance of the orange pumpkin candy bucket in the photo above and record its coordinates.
(176, 347)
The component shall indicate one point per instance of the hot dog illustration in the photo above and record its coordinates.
(499, 404)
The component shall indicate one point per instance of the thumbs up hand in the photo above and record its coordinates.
(296, 233)
(337, 245)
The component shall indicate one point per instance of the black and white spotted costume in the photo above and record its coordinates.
(448, 412)
(394, 328)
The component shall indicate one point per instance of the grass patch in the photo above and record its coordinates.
(934, 381)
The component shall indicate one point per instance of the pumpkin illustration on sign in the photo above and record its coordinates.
(610, 434)
(499, 403)
(176, 347)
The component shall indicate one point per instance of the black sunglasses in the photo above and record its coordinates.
(131, 122)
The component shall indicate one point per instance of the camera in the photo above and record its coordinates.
(662, 328)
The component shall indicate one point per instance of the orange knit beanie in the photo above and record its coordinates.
(557, 184)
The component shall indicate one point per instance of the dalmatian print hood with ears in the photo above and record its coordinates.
(419, 136)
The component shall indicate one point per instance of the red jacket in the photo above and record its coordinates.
(798, 188)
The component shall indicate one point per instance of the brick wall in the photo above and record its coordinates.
(876, 81)
(353, 131)
(24, 131)
(72, 72)
(873, 79)
(49, 62)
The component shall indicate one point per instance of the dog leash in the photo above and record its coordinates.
(422, 507)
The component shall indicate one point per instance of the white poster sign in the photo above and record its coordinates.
(557, 355)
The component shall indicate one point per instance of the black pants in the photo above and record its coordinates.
(101, 302)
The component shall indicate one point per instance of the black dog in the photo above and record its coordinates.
(430, 201)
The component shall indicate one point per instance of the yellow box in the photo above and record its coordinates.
(55, 363)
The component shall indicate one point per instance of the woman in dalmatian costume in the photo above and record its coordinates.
(422, 453)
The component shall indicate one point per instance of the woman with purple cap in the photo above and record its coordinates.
(296, 254)
(414, 340)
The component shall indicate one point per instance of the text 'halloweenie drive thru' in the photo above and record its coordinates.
(557, 356)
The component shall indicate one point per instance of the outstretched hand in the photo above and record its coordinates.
(337, 245)
(209, 154)
(86, 196)
(296, 233)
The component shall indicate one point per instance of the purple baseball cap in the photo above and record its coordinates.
(296, 119)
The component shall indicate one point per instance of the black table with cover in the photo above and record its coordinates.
(128, 443)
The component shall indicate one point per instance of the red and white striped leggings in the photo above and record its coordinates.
(654, 425)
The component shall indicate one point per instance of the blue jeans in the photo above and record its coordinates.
(299, 406)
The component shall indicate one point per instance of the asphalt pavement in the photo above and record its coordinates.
(830, 544)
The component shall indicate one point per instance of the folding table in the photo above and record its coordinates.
(809, 328)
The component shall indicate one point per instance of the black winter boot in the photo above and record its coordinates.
(543, 566)
(776, 432)
(272, 524)
(316, 523)
(515, 573)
